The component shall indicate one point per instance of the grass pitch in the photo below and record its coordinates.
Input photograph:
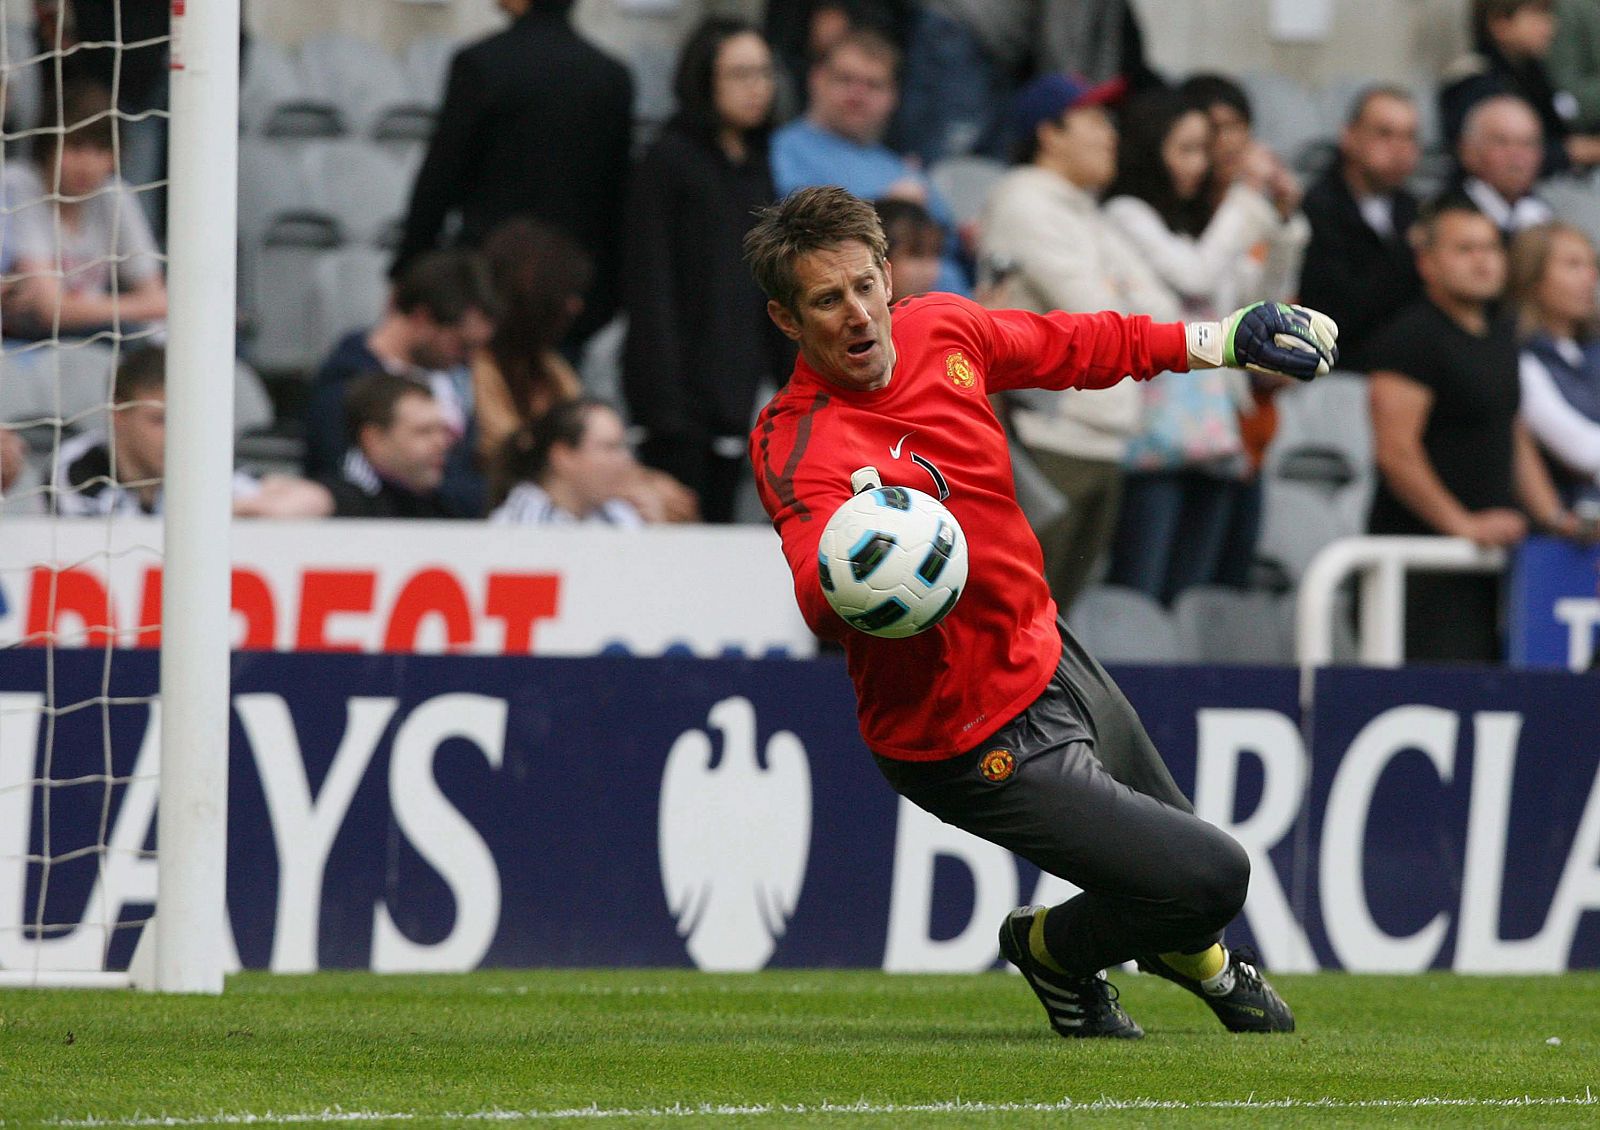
(858, 1049)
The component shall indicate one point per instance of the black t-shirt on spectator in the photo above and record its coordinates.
(1468, 436)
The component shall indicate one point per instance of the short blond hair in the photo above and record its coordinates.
(807, 220)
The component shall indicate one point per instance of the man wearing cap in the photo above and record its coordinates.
(1044, 219)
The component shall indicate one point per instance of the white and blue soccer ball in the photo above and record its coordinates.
(892, 561)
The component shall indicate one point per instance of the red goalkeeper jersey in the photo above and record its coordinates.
(937, 694)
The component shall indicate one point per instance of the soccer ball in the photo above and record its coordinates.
(892, 561)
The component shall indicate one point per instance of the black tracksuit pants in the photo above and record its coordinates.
(1089, 799)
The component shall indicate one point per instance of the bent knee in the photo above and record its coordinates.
(1219, 883)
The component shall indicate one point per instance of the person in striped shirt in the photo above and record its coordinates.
(569, 468)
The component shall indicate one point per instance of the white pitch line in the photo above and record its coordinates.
(336, 1115)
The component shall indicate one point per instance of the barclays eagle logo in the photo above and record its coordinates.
(735, 837)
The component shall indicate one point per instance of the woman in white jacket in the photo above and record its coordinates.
(1191, 502)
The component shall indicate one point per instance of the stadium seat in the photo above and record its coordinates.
(1288, 113)
(252, 406)
(1430, 135)
(1122, 625)
(1227, 625)
(426, 65)
(1326, 415)
(275, 101)
(290, 307)
(1297, 520)
(360, 184)
(42, 381)
(356, 75)
(354, 280)
(274, 179)
(600, 368)
(1318, 473)
(965, 183)
(1577, 202)
(24, 92)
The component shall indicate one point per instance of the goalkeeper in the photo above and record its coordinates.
(997, 720)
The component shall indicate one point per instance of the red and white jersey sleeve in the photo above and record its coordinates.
(937, 694)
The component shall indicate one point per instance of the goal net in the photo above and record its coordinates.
(116, 306)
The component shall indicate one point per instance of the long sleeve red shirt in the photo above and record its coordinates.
(937, 694)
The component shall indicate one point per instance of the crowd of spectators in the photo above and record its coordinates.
(538, 215)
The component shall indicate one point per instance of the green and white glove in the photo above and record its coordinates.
(1267, 337)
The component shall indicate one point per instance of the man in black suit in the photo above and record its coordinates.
(535, 121)
(1359, 266)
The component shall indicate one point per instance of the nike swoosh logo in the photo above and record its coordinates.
(894, 451)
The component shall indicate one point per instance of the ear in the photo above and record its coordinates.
(1043, 132)
(784, 319)
(888, 281)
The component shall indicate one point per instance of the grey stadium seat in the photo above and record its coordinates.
(1575, 201)
(275, 100)
(965, 182)
(1288, 113)
(355, 284)
(1122, 625)
(361, 184)
(1227, 625)
(426, 64)
(1328, 414)
(355, 75)
(291, 309)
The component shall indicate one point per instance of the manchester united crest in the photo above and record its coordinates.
(958, 369)
(997, 765)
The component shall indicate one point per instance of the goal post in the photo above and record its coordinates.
(76, 807)
(202, 206)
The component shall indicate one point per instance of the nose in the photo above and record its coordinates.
(857, 311)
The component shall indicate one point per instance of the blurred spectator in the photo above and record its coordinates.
(1235, 153)
(1511, 40)
(1359, 267)
(1453, 455)
(570, 468)
(840, 140)
(1499, 157)
(963, 64)
(915, 241)
(1191, 500)
(539, 275)
(802, 31)
(1215, 258)
(535, 121)
(1553, 288)
(98, 266)
(1043, 219)
(394, 466)
(121, 472)
(16, 490)
(1574, 60)
(86, 28)
(438, 317)
(700, 345)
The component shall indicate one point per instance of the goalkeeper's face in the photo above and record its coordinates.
(841, 318)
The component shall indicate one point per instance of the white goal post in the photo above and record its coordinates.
(186, 946)
(202, 206)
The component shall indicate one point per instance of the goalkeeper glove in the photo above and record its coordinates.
(1268, 337)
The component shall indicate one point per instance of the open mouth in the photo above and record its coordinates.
(861, 348)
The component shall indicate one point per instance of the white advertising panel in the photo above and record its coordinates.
(427, 587)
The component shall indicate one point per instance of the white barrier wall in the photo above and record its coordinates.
(429, 587)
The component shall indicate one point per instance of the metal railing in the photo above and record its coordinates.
(1380, 564)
